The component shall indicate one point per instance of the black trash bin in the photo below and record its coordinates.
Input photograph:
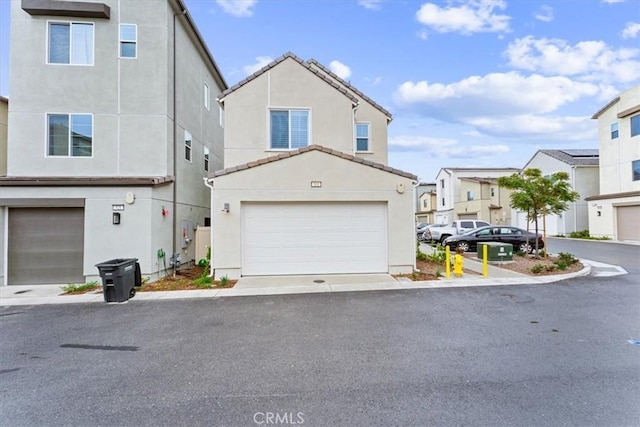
(118, 279)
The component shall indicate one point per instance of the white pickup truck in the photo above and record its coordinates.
(438, 234)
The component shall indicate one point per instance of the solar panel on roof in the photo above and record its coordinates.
(581, 153)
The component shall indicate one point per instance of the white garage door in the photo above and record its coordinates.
(628, 217)
(314, 238)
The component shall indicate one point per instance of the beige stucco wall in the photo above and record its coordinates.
(606, 224)
(289, 180)
(617, 154)
(290, 85)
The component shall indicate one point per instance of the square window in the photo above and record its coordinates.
(70, 135)
(635, 167)
(70, 43)
(362, 136)
(289, 129)
(614, 130)
(128, 41)
(635, 125)
(187, 145)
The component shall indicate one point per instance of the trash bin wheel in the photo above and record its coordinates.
(132, 292)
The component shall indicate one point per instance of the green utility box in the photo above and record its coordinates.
(496, 251)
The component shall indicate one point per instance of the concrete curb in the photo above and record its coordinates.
(300, 289)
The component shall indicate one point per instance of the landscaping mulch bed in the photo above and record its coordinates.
(185, 279)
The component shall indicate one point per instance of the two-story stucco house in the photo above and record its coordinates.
(307, 189)
(452, 198)
(112, 127)
(582, 167)
(615, 211)
(425, 200)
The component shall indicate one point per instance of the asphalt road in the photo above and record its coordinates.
(540, 355)
(624, 255)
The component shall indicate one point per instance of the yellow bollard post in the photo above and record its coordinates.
(447, 261)
(485, 261)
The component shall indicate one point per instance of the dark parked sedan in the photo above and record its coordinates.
(522, 240)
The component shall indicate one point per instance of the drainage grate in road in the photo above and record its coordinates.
(101, 347)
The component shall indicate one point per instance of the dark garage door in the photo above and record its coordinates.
(45, 246)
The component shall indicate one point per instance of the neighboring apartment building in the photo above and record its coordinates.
(615, 211)
(582, 167)
(427, 202)
(112, 128)
(450, 193)
(306, 189)
(483, 198)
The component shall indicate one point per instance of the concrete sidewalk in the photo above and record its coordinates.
(280, 285)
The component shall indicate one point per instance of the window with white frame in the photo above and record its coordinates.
(635, 125)
(128, 41)
(187, 145)
(206, 159)
(469, 195)
(70, 43)
(362, 136)
(207, 96)
(69, 135)
(289, 129)
(614, 130)
(493, 192)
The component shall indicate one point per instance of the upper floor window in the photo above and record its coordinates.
(635, 167)
(207, 96)
(614, 130)
(128, 41)
(71, 43)
(289, 129)
(362, 136)
(206, 159)
(187, 145)
(635, 125)
(69, 135)
(442, 183)
(493, 192)
(469, 195)
(425, 204)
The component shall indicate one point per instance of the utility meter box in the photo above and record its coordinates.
(496, 251)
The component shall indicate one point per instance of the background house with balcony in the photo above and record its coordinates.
(483, 199)
(307, 189)
(111, 130)
(582, 167)
(615, 210)
(449, 192)
(425, 202)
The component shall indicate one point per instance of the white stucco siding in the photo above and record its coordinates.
(289, 180)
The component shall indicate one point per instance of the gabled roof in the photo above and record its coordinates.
(479, 180)
(575, 157)
(277, 61)
(315, 147)
(352, 88)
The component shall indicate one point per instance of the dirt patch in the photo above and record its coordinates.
(186, 279)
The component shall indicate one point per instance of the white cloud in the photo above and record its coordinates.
(340, 69)
(588, 60)
(544, 14)
(444, 147)
(612, 1)
(473, 16)
(631, 31)
(499, 94)
(423, 34)
(544, 128)
(261, 61)
(371, 4)
(239, 8)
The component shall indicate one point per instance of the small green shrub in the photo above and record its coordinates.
(521, 253)
(74, 288)
(582, 234)
(203, 281)
(438, 255)
(551, 267)
(421, 256)
(224, 281)
(438, 272)
(567, 258)
(561, 265)
(537, 269)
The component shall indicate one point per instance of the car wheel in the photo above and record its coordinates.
(463, 245)
(444, 237)
(525, 247)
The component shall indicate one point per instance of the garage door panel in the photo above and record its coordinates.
(627, 219)
(314, 238)
(45, 245)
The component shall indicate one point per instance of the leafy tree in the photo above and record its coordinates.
(538, 195)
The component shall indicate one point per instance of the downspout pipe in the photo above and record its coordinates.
(414, 193)
(207, 183)
(174, 244)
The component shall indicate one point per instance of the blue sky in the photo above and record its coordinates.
(482, 83)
